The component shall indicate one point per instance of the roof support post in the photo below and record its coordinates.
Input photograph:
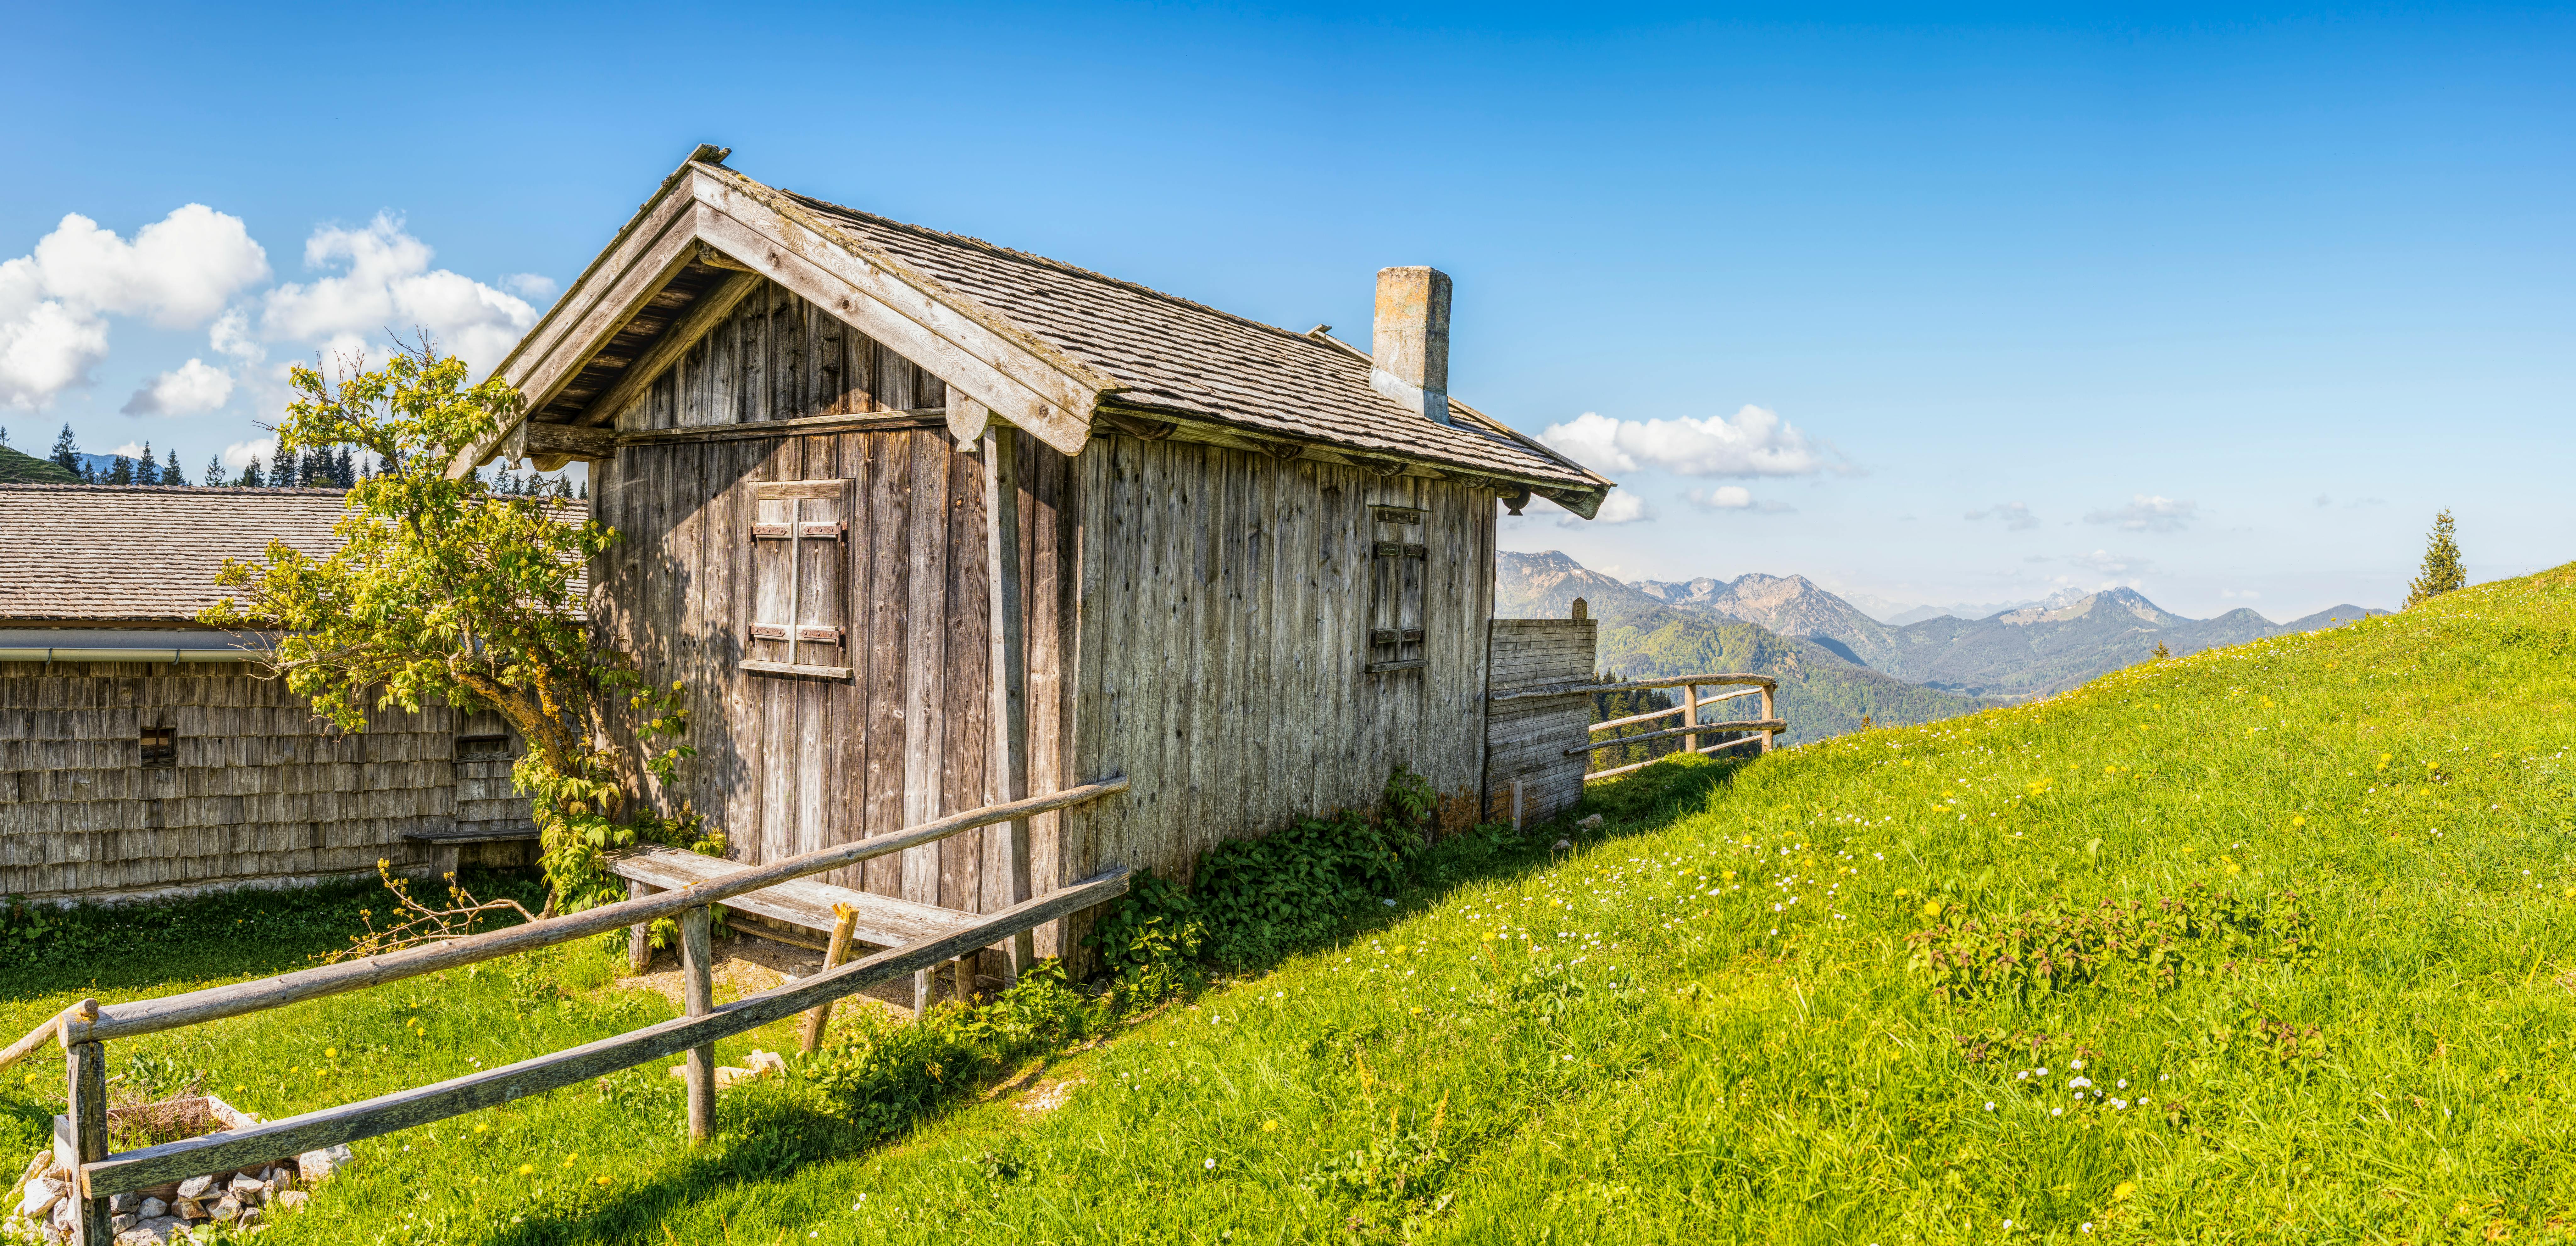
(1007, 774)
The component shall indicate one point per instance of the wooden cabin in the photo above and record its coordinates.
(925, 523)
(144, 756)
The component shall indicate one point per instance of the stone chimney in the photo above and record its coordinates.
(1412, 341)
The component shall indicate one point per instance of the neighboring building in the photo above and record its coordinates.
(1248, 568)
(142, 755)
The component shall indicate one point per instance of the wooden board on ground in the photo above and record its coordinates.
(883, 921)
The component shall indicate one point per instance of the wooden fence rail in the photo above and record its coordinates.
(1691, 729)
(84, 1028)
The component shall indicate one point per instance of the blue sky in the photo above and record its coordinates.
(2221, 304)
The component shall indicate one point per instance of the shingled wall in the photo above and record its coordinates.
(261, 792)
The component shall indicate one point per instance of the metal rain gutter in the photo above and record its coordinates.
(114, 644)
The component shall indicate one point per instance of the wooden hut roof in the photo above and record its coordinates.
(1048, 345)
(142, 554)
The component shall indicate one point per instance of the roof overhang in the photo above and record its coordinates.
(706, 212)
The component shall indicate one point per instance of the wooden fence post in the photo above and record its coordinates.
(1690, 716)
(697, 972)
(1009, 767)
(1768, 714)
(639, 937)
(842, 916)
(85, 1067)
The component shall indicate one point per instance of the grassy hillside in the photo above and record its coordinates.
(23, 469)
(2269, 944)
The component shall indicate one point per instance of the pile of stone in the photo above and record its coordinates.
(45, 1201)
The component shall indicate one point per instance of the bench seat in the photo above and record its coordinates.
(882, 921)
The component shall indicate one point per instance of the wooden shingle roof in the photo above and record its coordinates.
(1055, 349)
(142, 554)
(1173, 355)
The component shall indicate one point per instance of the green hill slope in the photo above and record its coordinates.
(22, 469)
(2239, 947)
(2273, 943)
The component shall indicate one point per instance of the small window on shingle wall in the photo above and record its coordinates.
(1397, 561)
(160, 748)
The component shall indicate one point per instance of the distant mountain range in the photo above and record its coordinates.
(2032, 650)
(1821, 693)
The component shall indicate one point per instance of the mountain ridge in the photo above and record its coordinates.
(2028, 651)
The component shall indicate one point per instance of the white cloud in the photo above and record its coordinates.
(239, 454)
(231, 335)
(534, 287)
(1620, 507)
(2147, 512)
(1733, 498)
(192, 389)
(2109, 563)
(1752, 442)
(54, 300)
(2015, 515)
(44, 350)
(385, 285)
(130, 450)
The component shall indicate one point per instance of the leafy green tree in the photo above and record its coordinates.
(251, 477)
(67, 455)
(122, 473)
(2442, 572)
(443, 592)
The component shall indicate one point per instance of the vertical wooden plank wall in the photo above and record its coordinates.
(1527, 739)
(263, 792)
(788, 764)
(1222, 616)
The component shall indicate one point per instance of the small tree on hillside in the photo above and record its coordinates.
(2442, 573)
(443, 592)
(67, 452)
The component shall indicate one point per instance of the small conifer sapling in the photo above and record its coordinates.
(2442, 573)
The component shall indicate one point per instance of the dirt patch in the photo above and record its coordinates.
(748, 966)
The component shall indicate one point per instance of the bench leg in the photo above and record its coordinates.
(639, 937)
(444, 861)
(920, 993)
(842, 918)
(698, 974)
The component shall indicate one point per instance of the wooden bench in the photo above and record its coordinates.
(446, 848)
(881, 921)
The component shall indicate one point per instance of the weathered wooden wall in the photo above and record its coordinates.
(1198, 620)
(788, 764)
(1527, 739)
(778, 357)
(261, 793)
(1224, 605)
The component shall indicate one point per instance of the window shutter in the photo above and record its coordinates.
(800, 560)
(1399, 560)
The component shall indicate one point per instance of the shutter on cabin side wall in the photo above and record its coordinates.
(800, 558)
(1396, 570)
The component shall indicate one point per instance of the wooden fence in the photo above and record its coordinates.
(1692, 728)
(83, 1029)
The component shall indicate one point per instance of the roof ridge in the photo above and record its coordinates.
(224, 490)
(1047, 261)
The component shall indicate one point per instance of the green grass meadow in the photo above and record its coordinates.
(2271, 943)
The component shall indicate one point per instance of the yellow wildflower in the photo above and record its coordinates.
(527, 1170)
(2121, 1192)
(1931, 908)
(605, 1179)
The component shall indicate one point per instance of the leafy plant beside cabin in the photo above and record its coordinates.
(443, 591)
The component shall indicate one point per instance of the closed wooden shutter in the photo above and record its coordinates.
(1397, 563)
(800, 560)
